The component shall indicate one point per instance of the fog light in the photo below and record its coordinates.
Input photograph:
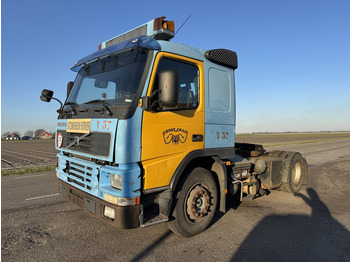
(109, 212)
(116, 181)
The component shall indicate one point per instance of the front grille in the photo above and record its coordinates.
(83, 176)
(96, 143)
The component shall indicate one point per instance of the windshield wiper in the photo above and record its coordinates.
(103, 102)
(95, 101)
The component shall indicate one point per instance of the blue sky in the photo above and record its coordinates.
(293, 56)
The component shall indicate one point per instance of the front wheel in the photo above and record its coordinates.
(195, 203)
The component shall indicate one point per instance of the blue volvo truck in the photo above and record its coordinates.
(146, 135)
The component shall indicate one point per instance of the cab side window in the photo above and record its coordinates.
(188, 83)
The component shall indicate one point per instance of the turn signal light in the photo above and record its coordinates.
(160, 23)
(122, 201)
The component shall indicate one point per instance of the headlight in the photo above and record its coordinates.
(117, 181)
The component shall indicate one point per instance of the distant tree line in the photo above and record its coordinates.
(29, 133)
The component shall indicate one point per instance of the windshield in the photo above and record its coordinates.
(109, 84)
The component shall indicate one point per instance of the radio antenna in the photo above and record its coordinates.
(182, 24)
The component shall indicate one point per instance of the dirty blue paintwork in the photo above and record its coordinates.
(184, 50)
(131, 184)
(88, 171)
(128, 142)
(125, 142)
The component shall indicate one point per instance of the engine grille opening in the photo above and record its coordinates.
(83, 176)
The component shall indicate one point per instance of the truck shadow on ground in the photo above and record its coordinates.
(318, 237)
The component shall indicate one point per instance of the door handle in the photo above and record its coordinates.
(197, 138)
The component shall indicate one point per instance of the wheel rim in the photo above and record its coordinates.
(197, 203)
(296, 177)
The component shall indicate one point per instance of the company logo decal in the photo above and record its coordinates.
(59, 140)
(175, 136)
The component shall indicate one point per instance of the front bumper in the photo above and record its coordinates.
(125, 216)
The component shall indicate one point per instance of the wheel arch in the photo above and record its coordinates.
(210, 159)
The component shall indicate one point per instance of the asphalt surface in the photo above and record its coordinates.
(39, 225)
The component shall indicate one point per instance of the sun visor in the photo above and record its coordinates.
(141, 41)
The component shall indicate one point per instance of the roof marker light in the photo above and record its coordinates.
(158, 28)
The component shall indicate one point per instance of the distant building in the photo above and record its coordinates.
(12, 137)
(46, 135)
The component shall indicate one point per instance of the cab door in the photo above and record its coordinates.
(169, 134)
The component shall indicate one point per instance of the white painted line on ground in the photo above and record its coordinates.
(20, 177)
(33, 198)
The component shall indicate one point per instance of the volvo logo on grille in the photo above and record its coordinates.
(77, 140)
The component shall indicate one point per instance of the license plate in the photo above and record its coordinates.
(79, 126)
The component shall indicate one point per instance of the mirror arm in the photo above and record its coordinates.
(61, 107)
(146, 100)
(154, 103)
(154, 93)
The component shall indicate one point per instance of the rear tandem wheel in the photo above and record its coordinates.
(296, 170)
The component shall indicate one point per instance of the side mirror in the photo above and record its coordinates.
(168, 82)
(69, 87)
(46, 95)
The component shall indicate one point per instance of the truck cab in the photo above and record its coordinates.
(147, 132)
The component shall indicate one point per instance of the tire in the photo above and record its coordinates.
(296, 171)
(195, 203)
(276, 153)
